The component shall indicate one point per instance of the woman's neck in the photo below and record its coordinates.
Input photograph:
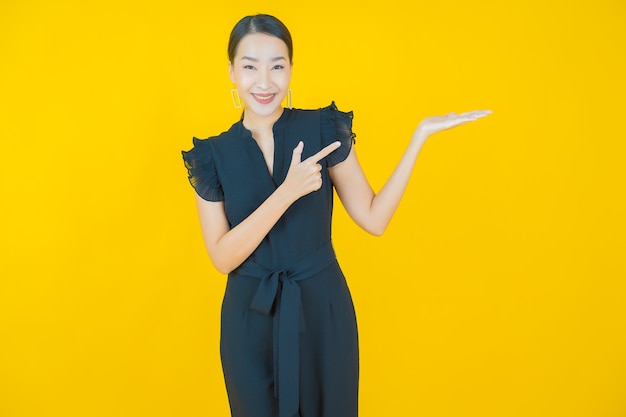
(255, 123)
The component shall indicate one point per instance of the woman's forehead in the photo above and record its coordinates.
(260, 46)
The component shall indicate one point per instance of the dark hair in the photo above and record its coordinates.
(260, 23)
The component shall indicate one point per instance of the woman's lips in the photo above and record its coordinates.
(264, 98)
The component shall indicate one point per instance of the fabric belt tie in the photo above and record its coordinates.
(278, 293)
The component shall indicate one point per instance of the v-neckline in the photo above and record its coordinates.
(271, 172)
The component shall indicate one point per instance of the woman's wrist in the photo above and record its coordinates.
(419, 136)
(281, 197)
(419, 139)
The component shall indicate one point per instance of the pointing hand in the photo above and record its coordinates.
(305, 176)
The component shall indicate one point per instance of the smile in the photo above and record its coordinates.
(264, 98)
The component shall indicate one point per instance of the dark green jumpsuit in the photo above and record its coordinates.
(289, 343)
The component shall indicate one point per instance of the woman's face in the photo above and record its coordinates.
(261, 72)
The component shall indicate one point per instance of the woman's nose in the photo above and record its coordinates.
(263, 79)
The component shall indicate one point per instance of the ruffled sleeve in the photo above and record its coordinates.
(200, 165)
(337, 125)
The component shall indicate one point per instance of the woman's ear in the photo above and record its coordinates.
(231, 72)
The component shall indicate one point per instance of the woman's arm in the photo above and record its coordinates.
(228, 248)
(372, 211)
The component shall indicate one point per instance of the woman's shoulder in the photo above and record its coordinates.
(323, 115)
(326, 114)
(333, 111)
(224, 137)
(331, 108)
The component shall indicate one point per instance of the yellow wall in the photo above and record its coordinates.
(498, 289)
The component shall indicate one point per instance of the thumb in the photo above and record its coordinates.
(296, 157)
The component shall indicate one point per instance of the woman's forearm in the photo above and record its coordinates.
(385, 203)
(231, 248)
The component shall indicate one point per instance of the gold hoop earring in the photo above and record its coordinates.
(235, 96)
(289, 101)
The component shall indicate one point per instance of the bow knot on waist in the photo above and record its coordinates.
(278, 294)
(267, 291)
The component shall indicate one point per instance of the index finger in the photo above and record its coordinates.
(324, 152)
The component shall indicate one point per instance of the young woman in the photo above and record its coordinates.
(265, 195)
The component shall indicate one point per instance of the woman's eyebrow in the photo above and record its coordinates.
(249, 58)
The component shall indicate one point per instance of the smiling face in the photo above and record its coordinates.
(261, 72)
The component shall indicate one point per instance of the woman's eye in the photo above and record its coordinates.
(278, 67)
(250, 67)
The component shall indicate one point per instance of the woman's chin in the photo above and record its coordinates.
(264, 110)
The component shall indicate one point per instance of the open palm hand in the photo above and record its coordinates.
(434, 124)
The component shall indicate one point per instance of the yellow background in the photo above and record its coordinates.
(498, 289)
